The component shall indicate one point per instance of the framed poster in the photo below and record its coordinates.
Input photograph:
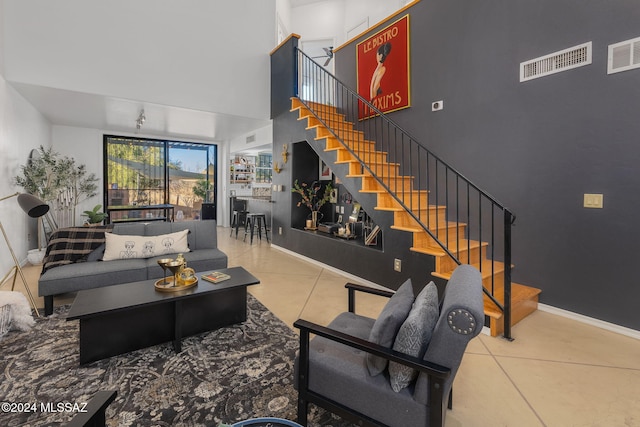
(325, 171)
(383, 73)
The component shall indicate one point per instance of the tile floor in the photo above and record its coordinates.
(557, 372)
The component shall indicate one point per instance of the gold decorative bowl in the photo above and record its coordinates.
(167, 286)
(179, 280)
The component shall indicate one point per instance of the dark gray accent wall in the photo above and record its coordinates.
(537, 146)
(369, 263)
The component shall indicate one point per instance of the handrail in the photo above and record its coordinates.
(418, 180)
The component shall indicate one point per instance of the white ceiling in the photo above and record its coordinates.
(68, 108)
(199, 69)
(297, 3)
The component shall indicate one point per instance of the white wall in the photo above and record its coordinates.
(333, 18)
(264, 136)
(22, 128)
(283, 13)
(374, 10)
(322, 20)
(182, 54)
(2, 37)
(86, 147)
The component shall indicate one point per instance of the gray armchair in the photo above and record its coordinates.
(332, 369)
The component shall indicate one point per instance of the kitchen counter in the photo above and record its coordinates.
(266, 199)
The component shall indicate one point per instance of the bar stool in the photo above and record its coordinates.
(238, 218)
(254, 220)
(239, 215)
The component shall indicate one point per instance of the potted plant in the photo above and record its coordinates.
(58, 181)
(94, 217)
(312, 198)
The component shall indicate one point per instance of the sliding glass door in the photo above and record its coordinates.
(147, 179)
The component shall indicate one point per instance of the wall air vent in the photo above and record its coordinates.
(563, 60)
(251, 138)
(624, 56)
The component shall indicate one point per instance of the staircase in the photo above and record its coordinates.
(436, 221)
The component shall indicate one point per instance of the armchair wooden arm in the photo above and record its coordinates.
(352, 287)
(95, 410)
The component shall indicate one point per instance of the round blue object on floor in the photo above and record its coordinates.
(266, 422)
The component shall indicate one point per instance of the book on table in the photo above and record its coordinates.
(216, 277)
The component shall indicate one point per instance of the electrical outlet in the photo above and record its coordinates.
(594, 201)
(397, 265)
(437, 105)
(337, 209)
(341, 209)
(280, 231)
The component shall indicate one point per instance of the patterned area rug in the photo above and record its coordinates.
(224, 376)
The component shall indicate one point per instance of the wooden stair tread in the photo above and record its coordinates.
(392, 165)
(519, 293)
(379, 174)
(411, 229)
(317, 125)
(397, 209)
(438, 251)
(408, 228)
(433, 227)
(367, 153)
(486, 270)
(518, 289)
(343, 141)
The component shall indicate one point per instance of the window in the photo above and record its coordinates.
(142, 172)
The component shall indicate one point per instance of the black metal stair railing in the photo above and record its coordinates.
(418, 180)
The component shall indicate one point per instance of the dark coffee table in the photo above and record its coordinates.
(121, 318)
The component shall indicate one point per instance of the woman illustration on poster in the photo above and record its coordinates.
(378, 73)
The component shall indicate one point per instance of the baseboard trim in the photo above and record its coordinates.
(612, 327)
(330, 268)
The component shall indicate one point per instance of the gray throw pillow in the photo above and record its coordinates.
(414, 335)
(96, 254)
(386, 326)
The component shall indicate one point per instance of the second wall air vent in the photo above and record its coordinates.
(556, 62)
(624, 56)
(251, 138)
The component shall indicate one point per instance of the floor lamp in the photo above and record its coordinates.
(35, 208)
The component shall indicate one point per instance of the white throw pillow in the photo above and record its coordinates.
(122, 246)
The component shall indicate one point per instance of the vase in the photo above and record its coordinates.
(312, 220)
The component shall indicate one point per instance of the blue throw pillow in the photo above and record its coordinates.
(386, 326)
(414, 335)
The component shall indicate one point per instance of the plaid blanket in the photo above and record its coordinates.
(73, 244)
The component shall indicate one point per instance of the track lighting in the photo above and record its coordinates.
(140, 120)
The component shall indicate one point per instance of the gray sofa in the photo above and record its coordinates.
(92, 272)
